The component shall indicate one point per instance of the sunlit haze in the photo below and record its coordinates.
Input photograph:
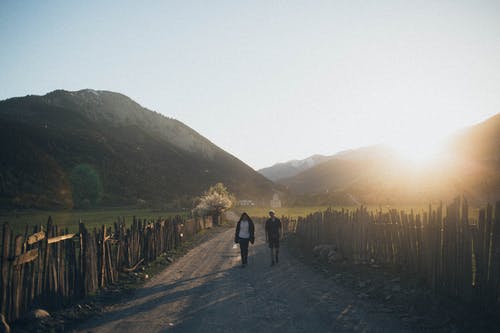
(419, 149)
(270, 81)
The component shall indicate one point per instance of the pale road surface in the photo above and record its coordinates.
(208, 291)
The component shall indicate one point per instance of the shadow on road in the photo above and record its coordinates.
(208, 291)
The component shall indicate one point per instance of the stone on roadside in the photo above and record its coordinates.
(327, 252)
(317, 250)
(40, 314)
(334, 256)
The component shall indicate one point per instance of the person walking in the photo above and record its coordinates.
(245, 233)
(273, 235)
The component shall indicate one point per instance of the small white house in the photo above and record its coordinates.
(246, 203)
(275, 202)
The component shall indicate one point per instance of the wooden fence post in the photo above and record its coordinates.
(6, 239)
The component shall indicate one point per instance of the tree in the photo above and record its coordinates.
(216, 200)
(86, 186)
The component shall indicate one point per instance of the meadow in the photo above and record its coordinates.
(292, 212)
(295, 212)
(97, 217)
(92, 218)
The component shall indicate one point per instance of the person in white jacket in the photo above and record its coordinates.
(245, 233)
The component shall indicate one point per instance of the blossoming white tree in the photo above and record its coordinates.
(216, 200)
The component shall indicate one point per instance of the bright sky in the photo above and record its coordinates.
(269, 81)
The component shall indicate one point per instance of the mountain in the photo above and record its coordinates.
(341, 170)
(291, 168)
(480, 142)
(68, 149)
(474, 155)
(469, 165)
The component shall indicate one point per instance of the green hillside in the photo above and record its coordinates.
(99, 148)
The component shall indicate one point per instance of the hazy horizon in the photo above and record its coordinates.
(270, 82)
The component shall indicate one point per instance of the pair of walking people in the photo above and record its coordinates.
(245, 234)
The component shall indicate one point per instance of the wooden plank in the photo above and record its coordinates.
(435, 250)
(7, 236)
(476, 278)
(32, 276)
(26, 257)
(16, 281)
(73, 261)
(479, 254)
(58, 269)
(487, 243)
(103, 257)
(81, 276)
(494, 277)
(39, 269)
(440, 255)
(25, 275)
(57, 239)
(35, 238)
(46, 257)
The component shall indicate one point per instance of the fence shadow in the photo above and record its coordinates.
(163, 296)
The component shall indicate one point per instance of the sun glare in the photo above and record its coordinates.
(419, 151)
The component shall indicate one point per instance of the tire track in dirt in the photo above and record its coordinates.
(208, 291)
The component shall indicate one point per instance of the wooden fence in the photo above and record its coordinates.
(49, 267)
(452, 254)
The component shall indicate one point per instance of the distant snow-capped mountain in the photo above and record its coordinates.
(292, 168)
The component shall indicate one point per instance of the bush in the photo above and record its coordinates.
(214, 201)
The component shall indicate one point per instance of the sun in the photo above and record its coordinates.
(419, 150)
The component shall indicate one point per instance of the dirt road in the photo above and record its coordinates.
(208, 291)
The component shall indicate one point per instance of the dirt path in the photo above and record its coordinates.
(208, 291)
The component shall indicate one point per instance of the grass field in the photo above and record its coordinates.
(283, 211)
(295, 212)
(69, 219)
(96, 218)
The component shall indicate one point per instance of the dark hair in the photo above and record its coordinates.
(247, 216)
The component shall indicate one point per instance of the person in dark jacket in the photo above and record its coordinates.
(273, 235)
(245, 233)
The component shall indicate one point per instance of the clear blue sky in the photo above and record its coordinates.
(269, 81)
